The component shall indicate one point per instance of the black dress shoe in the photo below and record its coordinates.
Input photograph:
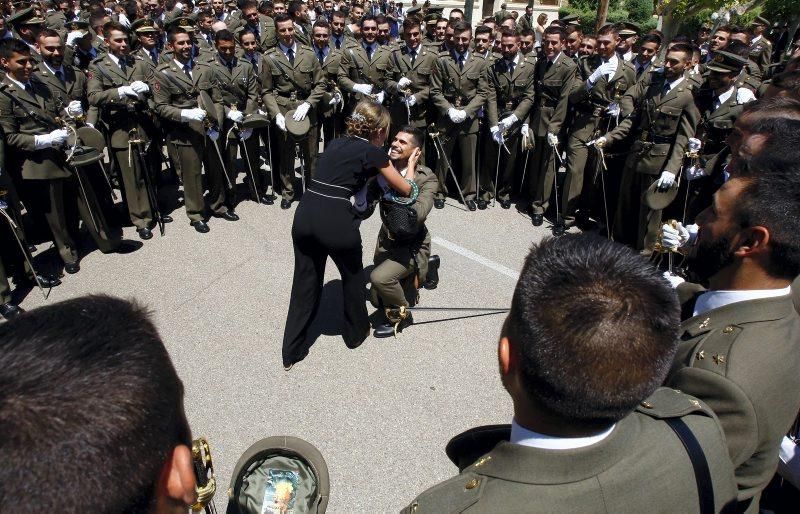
(9, 311)
(166, 218)
(285, 204)
(559, 229)
(505, 204)
(267, 200)
(228, 215)
(438, 203)
(144, 233)
(387, 329)
(432, 277)
(482, 204)
(471, 205)
(537, 219)
(200, 226)
(46, 281)
(72, 267)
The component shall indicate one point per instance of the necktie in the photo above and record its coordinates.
(717, 103)
(338, 43)
(254, 62)
(187, 70)
(122, 66)
(461, 62)
(154, 55)
(320, 56)
(369, 52)
(413, 55)
(28, 88)
(256, 33)
(210, 39)
(665, 90)
(230, 66)
(548, 66)
(290, 55)
(511, 67)
(60, 75)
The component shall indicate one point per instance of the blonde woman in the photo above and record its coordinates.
(326, 224)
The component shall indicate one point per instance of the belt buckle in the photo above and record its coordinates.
(458, 102)
(645, 136)
(509, 105)
(293, 96)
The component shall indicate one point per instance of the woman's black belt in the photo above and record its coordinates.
(329, 190)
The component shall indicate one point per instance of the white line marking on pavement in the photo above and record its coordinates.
(480, 259)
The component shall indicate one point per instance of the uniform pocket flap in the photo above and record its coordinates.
(670, 111)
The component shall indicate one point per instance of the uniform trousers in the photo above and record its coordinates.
(324, 227)
(90, 208)
(232, 149)
(636, 224)
(190, 159)
(309, 150)
(47, 196)
(541, 170)
(395, 270)
(135, 189)
(5, 289)
(466, 143)
(578, 177)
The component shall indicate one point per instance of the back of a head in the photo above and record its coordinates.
(595, 327)
(90, 408)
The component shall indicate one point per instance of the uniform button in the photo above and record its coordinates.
(472, 484)
(727, 330)
(647, 405)
(705, 323)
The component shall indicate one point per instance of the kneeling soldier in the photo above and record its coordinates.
(401, 262)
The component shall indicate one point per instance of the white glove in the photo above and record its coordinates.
(527, 143)
(600, 142)
(57, 137)
(694, 144)
(235, 116)
(72, 37)
(195, 114)
(666, 180)
(411, 100)
(508, 121)
(497, 135)
(613, 109)
(380, 96)
(212, 134)
(679, 237)
(461, 115)
(403, 82)
(364, 89)
(280, 122)
(674, 280)
(552, 139)
(452, 113)
(695, 172)
(75, 108)
(245, 134)
(744, 96)
(336, 99)
(301, 111)
(262, 113)
(124, 91)
(603, 69)
(140, 87)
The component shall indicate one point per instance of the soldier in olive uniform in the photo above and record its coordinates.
(331, 105)
(401, 264)
(719, 104)
(69, 87)
(236, 82)
(298, 11)
(263, 27)
(459, 88)
(408, 80)
(27, 24)
(512, 81)
(118, 87)
(760, 46)
(738, 344)
(364, 64)
(184, 98)
(602, 80)
(661, 116)
(591, 430)
(30, 119)
(292, 81)
(147, 50)
(554, 75)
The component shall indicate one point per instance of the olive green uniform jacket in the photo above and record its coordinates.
(356, 68)
(742, 360)
(419, 73)
(466, 89)
(640, 467)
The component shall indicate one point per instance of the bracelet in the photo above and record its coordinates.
(402, 200)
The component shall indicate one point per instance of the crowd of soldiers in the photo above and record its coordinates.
(606, 130)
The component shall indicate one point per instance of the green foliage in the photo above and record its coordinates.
(780, 10)
(640, 11)
(617, 12)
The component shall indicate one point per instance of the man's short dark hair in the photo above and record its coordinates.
(649, 38)
(11, 46)
(411, 22)
(788, 81)
(683, 48)
(114, 25)
(416, 134)
(282, 18)
(771, 197)
(250, 4)
(555, 29)
(507, 32)
(323, 24)
(737, 47)
(224, 35)
(608, 29)
(294, 7)
(90, 408)
(366, 18)
(483, 29)
(526, 33)
(46, 32)
(595, 327)
(338, 14)
(461, 26)
(173, 33)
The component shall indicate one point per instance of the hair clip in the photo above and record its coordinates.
(357, 116)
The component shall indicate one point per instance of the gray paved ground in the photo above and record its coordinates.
(380, 414)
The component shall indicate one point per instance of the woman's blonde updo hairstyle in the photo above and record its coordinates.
(367, 117)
